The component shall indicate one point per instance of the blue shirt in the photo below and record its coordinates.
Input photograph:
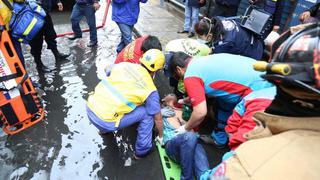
(152, 103)
(168, 129)
(126, 11)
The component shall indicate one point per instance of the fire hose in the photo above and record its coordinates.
(98, 27)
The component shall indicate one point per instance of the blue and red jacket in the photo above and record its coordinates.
(227, 77)
(241, 120)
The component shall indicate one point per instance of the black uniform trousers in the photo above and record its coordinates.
(49, 34)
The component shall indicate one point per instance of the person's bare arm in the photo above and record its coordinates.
(159, 124)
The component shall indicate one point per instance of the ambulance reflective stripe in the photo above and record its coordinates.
(30, 26)
(128, 86)
(38, 9)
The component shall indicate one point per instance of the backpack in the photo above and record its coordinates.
(26, 21)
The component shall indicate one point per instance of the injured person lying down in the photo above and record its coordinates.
(183, 148)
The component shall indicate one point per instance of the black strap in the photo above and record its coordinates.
(25, 77)
(11, 76)
(2, 28)
(8, 4)
(233, 18)
(28, 101)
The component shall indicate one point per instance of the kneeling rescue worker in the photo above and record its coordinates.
(128, 96)
(285, 143)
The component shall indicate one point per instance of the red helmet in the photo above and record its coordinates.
(301, 54)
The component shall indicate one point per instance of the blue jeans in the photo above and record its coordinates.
(224, 111)
(78, 12)
(138, 115)
(185, 150)
(126, 35)
(190, 12)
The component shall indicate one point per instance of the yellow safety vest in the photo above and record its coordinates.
(128, 86)
(5, 13)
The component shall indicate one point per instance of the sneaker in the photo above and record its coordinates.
(103, 133)
(74, 37)
(91, 44)
(191, 35)
(46, 69)
(183, 32)
(61, 56)
(207, 139)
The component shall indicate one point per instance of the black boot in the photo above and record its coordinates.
(60, 56)
(40, 66)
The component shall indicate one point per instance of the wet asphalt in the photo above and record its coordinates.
(65, 145)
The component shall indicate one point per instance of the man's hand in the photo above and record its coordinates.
(159, 140)
(96, 6)
(60, 6)
(181, 130)
(276, 28)
(304, 16)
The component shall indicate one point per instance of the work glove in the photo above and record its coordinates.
(159, 140)
(181, 130)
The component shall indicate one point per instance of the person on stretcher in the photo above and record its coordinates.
(182, 148)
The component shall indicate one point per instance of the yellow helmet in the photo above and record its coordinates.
(153, 60)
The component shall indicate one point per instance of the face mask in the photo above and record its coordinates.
(202, 41)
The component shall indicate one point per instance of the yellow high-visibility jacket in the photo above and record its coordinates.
(128, 86)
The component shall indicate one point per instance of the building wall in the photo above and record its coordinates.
(291, 10)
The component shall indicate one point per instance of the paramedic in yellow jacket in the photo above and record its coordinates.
(6, 14)
(128, 96)
(285, 143)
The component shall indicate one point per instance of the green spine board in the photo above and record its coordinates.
(172, 173)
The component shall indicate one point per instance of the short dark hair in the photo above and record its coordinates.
(177, 59)
(151, 42)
